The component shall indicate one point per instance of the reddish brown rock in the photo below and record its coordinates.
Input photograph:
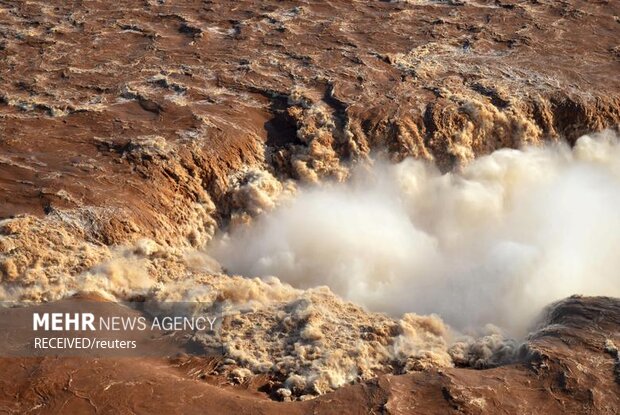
(565, 367)
(131, 119)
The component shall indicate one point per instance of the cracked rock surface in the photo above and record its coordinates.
(130, 131)
(566, 366)
(149, 107)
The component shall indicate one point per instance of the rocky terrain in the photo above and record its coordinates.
(132, 131)
(569, 365)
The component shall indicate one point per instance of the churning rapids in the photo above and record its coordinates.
(492, 243)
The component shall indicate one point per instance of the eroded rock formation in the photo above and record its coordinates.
(131, 131)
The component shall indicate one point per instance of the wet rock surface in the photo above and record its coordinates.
(564, 367)
(148, 107)
(165, 120)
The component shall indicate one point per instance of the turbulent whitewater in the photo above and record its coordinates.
(492, 243)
